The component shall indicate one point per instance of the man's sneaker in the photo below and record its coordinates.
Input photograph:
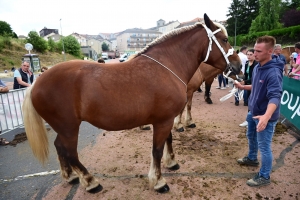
(218, 87)
(223, 88)
(245, 123)
(247, 161)
(258, 181)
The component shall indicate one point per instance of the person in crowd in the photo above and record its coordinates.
(221, 79)
(250, 64)
(23, 77)
(3, 87)
(243, 57)
(264, 106)
(277, 55)
(296, 64)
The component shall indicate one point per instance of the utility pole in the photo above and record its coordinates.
(62, 40)
(235, 31)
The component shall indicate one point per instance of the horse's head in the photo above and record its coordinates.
(220, 53)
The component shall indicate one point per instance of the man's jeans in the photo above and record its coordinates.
(262, 141)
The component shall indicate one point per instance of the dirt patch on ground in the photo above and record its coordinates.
(206, 154)
(21, 137)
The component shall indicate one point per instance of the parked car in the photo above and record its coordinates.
(124, 57)
(104, 56)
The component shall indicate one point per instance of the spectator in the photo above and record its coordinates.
(277, 55)
(23, 77)
(264, 106)
(243, 57)
(250, 65)
(221, 79)
(296, 65)
(3, 87)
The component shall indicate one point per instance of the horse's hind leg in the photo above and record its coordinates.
(168, 156)
(188, 115)
(160, 134)
(178, 126)
(71, 168)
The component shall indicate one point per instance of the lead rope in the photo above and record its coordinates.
(167, 69)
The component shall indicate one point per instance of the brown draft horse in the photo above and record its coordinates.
(204, 72)
(149, 89)
(287, 52)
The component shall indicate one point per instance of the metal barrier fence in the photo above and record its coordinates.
(11, 116)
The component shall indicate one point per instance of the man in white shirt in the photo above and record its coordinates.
(244, 59)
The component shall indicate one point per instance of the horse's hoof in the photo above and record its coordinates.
(147, 128)
(208, 101)
(180, 129)
(192, 126)
(96, 189)
(175, 167)
(163, 189)
(74, 181)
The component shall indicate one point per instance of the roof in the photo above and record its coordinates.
(192, 22)
(139, 30)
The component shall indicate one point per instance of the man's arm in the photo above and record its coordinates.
(264, 119)
(19, 79)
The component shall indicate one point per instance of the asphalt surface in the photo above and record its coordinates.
(17, 163)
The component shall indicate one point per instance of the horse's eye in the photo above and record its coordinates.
(225, 40)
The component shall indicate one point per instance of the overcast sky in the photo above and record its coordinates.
(99, 16)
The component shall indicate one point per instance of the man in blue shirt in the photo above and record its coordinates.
(277, 55)
(264, 109)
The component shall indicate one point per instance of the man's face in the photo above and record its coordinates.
(25, 66)
(277, 50)
(262, 52)
(297, 50)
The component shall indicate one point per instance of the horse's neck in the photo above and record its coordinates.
(183, 58)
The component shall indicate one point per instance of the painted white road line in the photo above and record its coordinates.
(30, 175)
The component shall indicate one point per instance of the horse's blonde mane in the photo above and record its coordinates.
(176, 32)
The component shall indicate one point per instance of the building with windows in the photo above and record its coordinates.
(46, 31)
(132, 40)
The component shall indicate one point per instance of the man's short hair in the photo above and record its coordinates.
(297, 45)
(269, 40)
(243, 48)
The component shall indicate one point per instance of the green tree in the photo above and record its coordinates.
(241, 14)
(71, 45)
(105, 47)
(38, 42)
(6, 30)
(268, 18)
(51, 45)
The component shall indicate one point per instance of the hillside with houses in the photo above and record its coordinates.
(128, 41)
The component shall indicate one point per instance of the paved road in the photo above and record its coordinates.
(18, 162)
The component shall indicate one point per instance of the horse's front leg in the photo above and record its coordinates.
(168, 156)
(160, 135)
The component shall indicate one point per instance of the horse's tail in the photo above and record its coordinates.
(35, 128)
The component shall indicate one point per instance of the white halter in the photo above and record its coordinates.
(211, 35)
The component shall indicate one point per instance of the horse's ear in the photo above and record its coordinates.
(207, 21)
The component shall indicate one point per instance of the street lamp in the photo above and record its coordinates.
(235, 31)
(62, 40)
